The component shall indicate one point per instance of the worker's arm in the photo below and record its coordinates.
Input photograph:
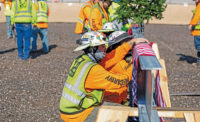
(119, 53)
(13, 10)
(115, 55)
(196, 17)
(3, 1)
(99, 78)
(48, 11)
(87, 11)
(95, 19)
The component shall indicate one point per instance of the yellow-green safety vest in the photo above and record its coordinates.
(74, 97)
(104, 20)
(42, 13)
(7, 9)
(23, 11)
(112, 9)
(197, 27)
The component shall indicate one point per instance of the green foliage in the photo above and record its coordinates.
(140, 10)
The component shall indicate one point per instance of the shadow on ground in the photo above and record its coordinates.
(188, 59)
(40, 52)
(7, 51)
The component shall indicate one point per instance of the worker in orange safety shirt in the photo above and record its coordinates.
(42, 10)
(7, 13)
(87, 80)
(194, 27)
(82, 24)
(99, 16)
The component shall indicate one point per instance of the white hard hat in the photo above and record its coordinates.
(109, 27)
(117, 37)
(91, 39)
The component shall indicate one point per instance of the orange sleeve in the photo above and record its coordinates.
(95, 19)
(87, 12)
(99, 78)
(115, 56)
(3, 1)
(196, 17)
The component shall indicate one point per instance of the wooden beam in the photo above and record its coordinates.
(155, 49)
(162, 112)
(189, 117)
(164, 83)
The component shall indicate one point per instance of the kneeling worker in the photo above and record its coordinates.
(87, 79)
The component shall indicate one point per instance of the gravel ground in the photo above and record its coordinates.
(30, 90)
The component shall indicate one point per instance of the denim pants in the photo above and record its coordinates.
(43, 32)
(197, 46)
(8, 25)
(23, 39)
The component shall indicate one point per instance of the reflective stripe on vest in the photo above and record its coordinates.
(42, 11)
(75, 87)
(75, 98)
(23, 12)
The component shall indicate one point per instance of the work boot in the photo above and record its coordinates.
(198, 58)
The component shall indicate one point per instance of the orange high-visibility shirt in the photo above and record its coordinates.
(9, 2)
(41, 24)
(99, 78)
(96, 18)
(115, 56)
(195, 20)
(83, 17)
(117, 95)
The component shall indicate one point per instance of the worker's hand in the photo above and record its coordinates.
(34, 27)
(12, 27)
(190, 27)
(138, 40)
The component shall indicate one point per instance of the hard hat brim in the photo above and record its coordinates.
(120, 39)
(81, 47)
(106, 31)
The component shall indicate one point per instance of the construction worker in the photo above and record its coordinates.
(42, 11)
(7, 13)
(195, 29)
(82, 24)
(108, 28)
(23, 15)
(98, 15)
(87, 80)
(118, 55)
(112, 13)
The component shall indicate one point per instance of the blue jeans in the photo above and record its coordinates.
(8, 25)
(197, 43)
(43, 32)
(23, 39)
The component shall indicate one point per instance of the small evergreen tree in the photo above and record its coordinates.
(140, 10)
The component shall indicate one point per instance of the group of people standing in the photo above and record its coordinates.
(29, 18)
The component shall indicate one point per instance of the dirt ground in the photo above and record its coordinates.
(30, 90)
